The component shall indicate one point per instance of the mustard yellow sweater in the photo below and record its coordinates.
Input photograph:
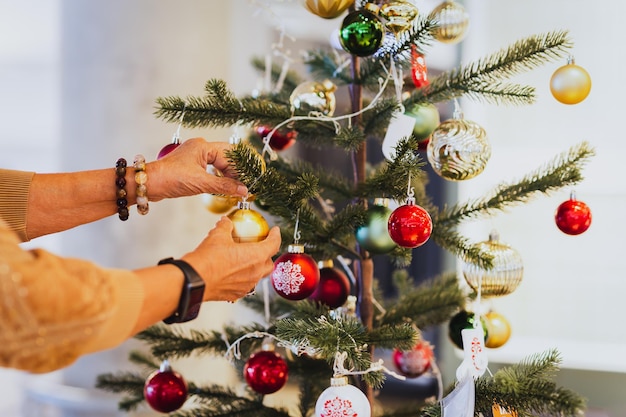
(55, 309)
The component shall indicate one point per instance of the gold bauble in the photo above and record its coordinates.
(498, 330)
(248, 224)
(399, 15)
(452, 21)
(504, 277)
(328, 9)
(219, 204)
(313, 97)
(570, 84)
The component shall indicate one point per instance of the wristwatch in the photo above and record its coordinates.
(191, 296)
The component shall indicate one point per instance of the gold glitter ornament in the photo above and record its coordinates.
(399, 15)
(327, 9)
(314, 97)
(452, 21)
(458, 149)
(504, 277)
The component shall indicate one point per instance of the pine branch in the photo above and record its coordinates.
(128, 383)
(528, 388)
(562, 171)
(483, 79)
(291, 81)
(419, 35)
(449, 239)
(432, 302)
(220, 108)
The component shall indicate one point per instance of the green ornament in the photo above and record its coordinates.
(373, 236)
(426, 117)
(462, 320)
(362, 33)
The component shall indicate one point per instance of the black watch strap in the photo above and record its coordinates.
(192, 295)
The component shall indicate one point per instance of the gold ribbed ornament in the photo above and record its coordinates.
(399, 15)
(458, 149)
(327, 9)
(452, 20)
(504, 277)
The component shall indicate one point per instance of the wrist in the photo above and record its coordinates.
(192, 294)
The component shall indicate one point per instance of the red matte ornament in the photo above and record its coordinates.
(165, 390)
(415, 362)
(265, 372)
(573, 217)
(419, 72)
(295, 275)
(410, 225)
(333, 288)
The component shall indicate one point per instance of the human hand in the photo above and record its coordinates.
(229, 269)
(183, 172)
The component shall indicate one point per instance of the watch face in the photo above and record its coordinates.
(195, 302)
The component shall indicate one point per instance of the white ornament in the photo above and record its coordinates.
(400, 127)
(342, 400)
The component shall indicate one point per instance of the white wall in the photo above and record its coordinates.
(571, 295)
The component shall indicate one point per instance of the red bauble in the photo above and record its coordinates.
(280, 140)
(410, 225)
(167, 149)
(333, 288)
(573, 217)
(295, 275)
(165, 390)
(265, 372)
(419, 72)
(414, 362)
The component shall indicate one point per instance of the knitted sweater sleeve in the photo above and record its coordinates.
(56, 309)
(14, 189)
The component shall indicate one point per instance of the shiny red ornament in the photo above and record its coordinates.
(167, 149)
(414, 362)
(419, 71)
(165, 390)
(333, 288)
(265, 372)
(280, 140)
(295, 275)
(573, 217)
(410, 225)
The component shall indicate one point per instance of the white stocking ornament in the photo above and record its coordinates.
(460, 402)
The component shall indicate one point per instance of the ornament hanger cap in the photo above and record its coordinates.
(295, 248)
(165, 366)
(381, 201)
(243, 205)
(339, 381)
(327, 263)
(494, 236)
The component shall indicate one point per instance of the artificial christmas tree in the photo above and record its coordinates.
(323, 212)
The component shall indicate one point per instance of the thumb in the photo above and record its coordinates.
(273, 239)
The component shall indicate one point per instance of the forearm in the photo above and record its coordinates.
(62, 201)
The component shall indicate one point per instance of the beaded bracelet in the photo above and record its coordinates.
(141, 177)
(120, 183)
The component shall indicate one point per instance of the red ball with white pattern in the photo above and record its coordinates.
(295, 275)
(415, 362)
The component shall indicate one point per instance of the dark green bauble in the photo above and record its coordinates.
(462, 320)
(373, 236)
(362, 33)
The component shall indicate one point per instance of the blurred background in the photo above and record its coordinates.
(78, 82)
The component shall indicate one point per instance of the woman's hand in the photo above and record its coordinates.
(229, 269)
(183, 172)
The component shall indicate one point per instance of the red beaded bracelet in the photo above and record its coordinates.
(120, 183)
